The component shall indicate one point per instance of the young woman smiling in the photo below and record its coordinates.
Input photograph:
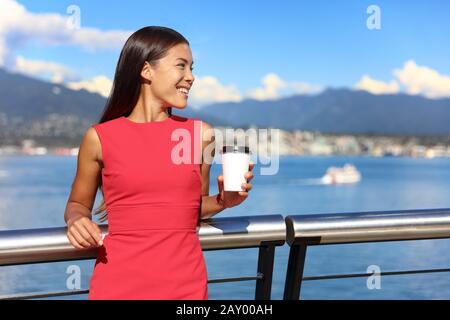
(153, 204)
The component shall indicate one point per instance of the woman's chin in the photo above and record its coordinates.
(179, 105)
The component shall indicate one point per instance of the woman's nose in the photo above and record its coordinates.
(190, 77)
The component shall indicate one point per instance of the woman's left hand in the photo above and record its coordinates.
(234, 198)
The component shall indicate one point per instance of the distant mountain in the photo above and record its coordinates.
(50, 113)
(342, 111)
(29, 99)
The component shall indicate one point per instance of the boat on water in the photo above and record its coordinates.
(337, 175)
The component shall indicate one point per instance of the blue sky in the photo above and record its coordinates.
(238, 43)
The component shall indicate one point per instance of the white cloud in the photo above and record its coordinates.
(377, 87)
(94, 39)
(56, 72)
(412, 79)
(99, 84)
(208, 89)
(273, 85)
(19, 26)
(423, 80)
(60, 74)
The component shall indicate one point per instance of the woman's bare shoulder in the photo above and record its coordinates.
(91, 145)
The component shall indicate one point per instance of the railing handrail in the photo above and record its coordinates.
(265, 232)
(51, 244)
(322, 229)
(317, 229)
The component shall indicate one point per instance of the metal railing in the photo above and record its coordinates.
(341, 228)
(18, 247)
(264, 232)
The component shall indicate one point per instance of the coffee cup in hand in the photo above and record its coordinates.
(235, 163)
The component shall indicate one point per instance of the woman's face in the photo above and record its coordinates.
(172, 78)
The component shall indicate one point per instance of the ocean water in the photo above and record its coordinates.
(34, 191)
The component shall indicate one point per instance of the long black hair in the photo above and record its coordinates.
(147, 44)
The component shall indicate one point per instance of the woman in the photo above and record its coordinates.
(152, 202)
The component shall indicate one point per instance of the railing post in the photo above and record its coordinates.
(294, 274)
(265, 268)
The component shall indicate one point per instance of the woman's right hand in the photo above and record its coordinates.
(83, 233)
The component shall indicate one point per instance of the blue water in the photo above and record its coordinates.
(34, 191)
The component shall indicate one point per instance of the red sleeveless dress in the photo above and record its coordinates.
(152, 189)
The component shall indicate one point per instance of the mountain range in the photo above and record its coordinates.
(342, 111)
(34, 108)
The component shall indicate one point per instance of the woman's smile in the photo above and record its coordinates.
(183, 91)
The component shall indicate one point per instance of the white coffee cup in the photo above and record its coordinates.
(235, 163)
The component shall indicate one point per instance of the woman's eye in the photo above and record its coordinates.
(182, 64)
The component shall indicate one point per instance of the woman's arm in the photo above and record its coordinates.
(82, 231)
(209, 205)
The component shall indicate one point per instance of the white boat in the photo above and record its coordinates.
(346, 174)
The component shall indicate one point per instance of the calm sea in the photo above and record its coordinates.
(34, 191)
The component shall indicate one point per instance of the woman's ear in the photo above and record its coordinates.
(147, 72)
